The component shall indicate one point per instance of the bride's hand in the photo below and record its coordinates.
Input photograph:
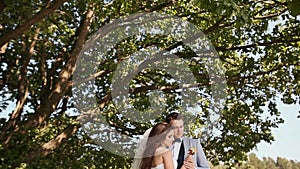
(188, 158)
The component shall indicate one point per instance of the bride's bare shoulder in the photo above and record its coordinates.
(161, 150)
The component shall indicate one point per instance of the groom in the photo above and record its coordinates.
(181, 147)
(183, 144)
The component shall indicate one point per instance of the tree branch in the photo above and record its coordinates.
(241, 80)
(22, 89)
(53, 144)
(62, 86)
(270, 15)
(157, 7)
(2, 5)
(36, 18)
(217, 24)
(276, 41)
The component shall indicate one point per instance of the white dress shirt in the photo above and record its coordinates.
(176, 149)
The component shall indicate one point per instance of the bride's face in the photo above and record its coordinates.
(169, 139)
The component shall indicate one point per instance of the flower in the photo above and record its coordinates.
(192, 151)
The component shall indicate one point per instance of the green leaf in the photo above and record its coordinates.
(294, 7)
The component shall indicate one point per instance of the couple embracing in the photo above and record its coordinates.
(167, 148)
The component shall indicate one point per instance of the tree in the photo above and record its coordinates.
(270, 163)
(255, 163)
(257, 42)
(283, 163)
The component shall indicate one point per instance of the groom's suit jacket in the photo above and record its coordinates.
(199, 157)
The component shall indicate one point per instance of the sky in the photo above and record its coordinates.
(287, 136)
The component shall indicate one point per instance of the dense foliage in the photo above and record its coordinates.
(258, 43)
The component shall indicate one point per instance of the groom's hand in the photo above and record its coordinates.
(189, 163)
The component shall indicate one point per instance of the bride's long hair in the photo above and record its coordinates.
(155, 139)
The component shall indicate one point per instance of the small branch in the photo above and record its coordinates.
(270, 15)
(43, 68)
(242, 80)
(156, 7)
(276, 41)
(217, 24)
(280, 3)
(2, 5)
(3, 49)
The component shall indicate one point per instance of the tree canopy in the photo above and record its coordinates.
(264, 163)
(256, 41)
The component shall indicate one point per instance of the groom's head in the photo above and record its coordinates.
(176, 120)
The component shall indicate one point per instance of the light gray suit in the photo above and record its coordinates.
(199, 157)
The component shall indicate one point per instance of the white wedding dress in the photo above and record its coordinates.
(160, 166)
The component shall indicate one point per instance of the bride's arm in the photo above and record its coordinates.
(168, 160)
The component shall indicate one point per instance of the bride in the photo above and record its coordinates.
(157, 154)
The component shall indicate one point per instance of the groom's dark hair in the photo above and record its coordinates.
(173, 116)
